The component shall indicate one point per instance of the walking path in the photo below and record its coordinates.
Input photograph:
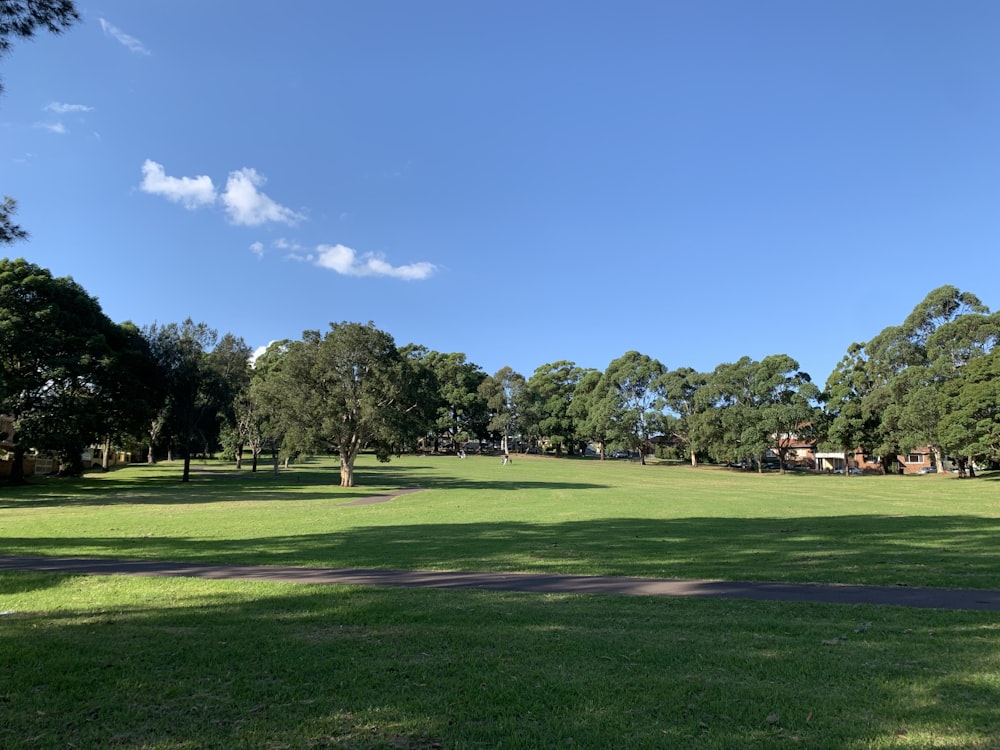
(547, 583)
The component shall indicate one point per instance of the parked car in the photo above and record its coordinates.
(928, 470)
(854, 470)
(619, 454)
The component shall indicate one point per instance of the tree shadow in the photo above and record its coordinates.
(224, 484)
(224, 665)
(941, 551)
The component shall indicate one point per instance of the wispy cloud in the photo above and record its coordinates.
(61, 108)
(129, 42)
(248, 206)
(257, 248)
(190, 192)
(348, 262)
(53, 127)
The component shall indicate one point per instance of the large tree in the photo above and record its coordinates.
(346, 391)
(632, 390)
(57, 356)
(22, 19)
(457, 408)
(680, 391)
(505, 394)
(190, 412)
(550, 396)
(970, 426)
(760, 406)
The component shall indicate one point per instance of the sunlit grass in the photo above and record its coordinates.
(539, 514)
(96, 662)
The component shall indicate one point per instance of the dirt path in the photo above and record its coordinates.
(547, 583)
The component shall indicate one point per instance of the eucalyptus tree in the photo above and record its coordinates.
(505, 394)
(589, 411)
(758, 406)
(59, 355)
(551, 390)
(457, 408)
(970, 426)
(347, 391)
(680, 391)
(200, 374)
(632, 390)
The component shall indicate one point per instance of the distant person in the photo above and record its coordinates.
(506, 458)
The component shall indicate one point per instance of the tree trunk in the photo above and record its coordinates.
(106, 458)
(346, 470)
(17, 466)
(972, 469)
(186, 476)
(694, 459)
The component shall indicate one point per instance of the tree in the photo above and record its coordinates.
(457, 408)
(228, 365)
(680, 392)
(57, 349)
(970, 426)
(347, 391)
(504, 392)
(633, 392)
(21, 19)
(589, 410)
(181, 353)
(550, 395)
(762, 406)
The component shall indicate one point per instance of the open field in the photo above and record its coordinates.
(177, 663)
(615, 518)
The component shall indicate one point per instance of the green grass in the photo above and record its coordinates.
(97, 662)
(540, 514)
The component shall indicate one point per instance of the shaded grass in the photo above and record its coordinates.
(538, 515)
(160, 663)
(141, 663)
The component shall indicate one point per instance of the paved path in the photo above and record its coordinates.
(547, 583)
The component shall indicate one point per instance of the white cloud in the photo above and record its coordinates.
(190, 192)
(247, 206)
(61, 108)
(284, 244)
(257, 248)
(345, 260)
(53, 127)
(130, 42)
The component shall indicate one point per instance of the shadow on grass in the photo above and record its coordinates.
(181, 663)
(224, 484)
(942, 551)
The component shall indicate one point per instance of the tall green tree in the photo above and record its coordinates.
(57, 351)
(970, 426)
(458, 409)
(633, 392)
(505, 394)
(348, 390)
(680, 393)
(762, 406)
(551, 390)
(590, 412)
(188, 413)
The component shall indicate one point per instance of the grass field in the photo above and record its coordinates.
(162, 663)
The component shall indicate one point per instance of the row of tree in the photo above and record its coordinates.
(71, 378)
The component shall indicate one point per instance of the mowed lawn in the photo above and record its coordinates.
(539, 514)
(95, 662)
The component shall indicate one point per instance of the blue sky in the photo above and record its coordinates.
(520, 181)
